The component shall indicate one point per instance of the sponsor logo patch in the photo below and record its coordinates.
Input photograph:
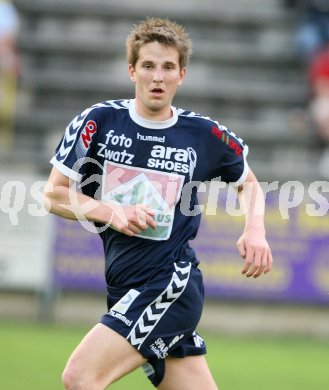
(88, 132)
(124, 303)
(226, 139)
(159, 190)
(173, 159)
(159, 348)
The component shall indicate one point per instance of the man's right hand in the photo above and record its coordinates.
(132, 220)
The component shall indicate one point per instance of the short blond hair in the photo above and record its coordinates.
(165, 32)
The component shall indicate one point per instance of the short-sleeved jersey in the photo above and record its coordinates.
(118, 156)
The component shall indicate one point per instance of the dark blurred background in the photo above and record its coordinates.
(245, 72)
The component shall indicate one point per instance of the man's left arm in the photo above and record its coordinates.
(252, 245)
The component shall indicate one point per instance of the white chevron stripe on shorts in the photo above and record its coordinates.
(160, 305)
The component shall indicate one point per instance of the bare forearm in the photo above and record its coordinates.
(252, 201)
(252, 245)
(68, 203)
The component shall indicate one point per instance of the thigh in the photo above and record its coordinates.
(102, 357)
(189, 373)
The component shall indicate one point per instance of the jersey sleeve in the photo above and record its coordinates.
(228, 155)
(77, 145)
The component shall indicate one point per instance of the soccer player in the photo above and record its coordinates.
(132, 168)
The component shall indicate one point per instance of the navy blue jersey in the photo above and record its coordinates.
(118, 156)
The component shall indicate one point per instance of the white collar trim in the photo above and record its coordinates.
(152, 124)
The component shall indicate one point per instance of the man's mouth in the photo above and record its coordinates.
(157, 91)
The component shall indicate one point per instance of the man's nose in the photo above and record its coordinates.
(158, 75)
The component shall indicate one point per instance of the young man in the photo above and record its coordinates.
(145, 153)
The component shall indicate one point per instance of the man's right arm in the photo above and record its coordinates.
(62, 200)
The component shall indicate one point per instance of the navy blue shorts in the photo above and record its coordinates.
(159, 318)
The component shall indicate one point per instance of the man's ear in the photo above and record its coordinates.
(182, 76)
(131, 71)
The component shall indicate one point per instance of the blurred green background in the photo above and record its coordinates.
(32, 357)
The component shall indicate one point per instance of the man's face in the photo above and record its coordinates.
(157, 75)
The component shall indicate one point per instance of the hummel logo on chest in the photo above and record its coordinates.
(151, 138)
